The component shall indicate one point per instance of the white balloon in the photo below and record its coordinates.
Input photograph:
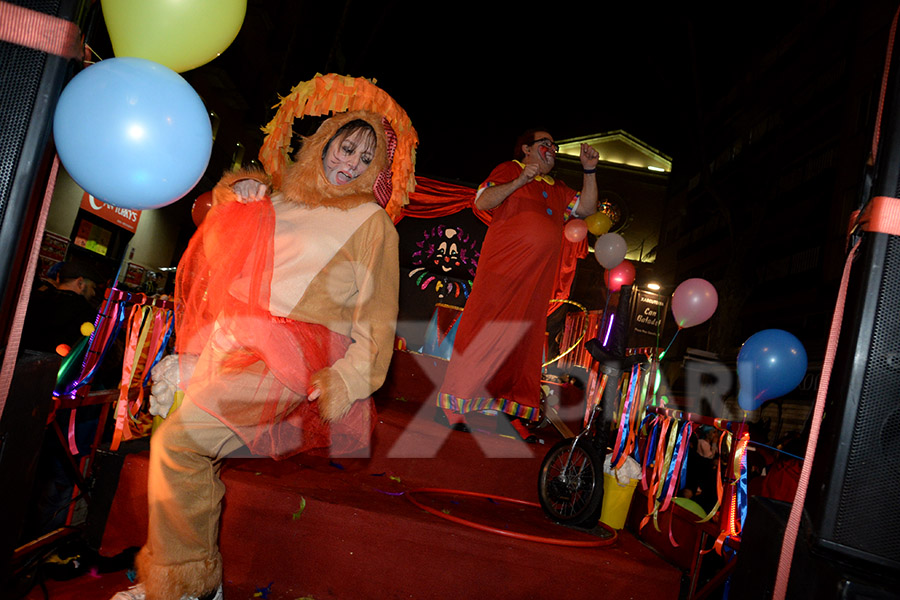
(609, 250)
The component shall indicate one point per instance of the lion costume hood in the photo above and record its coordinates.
(304, 180)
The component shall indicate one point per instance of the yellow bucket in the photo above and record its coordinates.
(616, 501)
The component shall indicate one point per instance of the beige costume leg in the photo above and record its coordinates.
(181, 557)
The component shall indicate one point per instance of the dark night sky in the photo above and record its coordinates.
(472, 80)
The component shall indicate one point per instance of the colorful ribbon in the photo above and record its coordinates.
(149, 329)
(106, 327)
(736, 501)
(597, 383)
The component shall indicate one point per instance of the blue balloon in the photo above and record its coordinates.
(132, 133)
(771, 363)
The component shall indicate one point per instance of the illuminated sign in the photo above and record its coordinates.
(648, 318)
(123, 217)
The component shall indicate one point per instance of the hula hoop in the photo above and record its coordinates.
(519, 536)
(581, 337)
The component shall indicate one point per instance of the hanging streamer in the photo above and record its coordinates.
(662, 478)
(663, 448)
(723, 445)
(624, 412)
(677, 472)
(148, 333)
(596, 387)
(655, 470)
(163, 329)
(638, 409)
(106, 327)
(654, 428)
(736, 501)
(632, 404)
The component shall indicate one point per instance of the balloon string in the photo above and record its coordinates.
(661, 356)
(93, 53)
(119, 270)
(114, 286)
(776, 449)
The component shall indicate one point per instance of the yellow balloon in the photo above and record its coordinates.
(598, 223)
(179, 34)
(87, 329)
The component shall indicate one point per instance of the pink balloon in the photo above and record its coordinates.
(621, 274)
(576, 230)
(693, 302)
(609, 250)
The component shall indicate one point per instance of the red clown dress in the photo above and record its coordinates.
(497, 353)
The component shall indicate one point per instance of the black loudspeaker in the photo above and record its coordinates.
(30, 84)
(855, 480)
(105, 473)
(22, 429)
(622, 323)
(813, 576)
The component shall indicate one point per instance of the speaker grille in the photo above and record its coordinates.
(867, 518)
(20, 78)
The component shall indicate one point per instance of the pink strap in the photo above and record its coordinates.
(793, 525)
(884, 81)
(881, 215)
(39, 31)
(73, 447)
(15, 334)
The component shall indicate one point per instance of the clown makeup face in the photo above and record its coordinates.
(542, 151)
(348, 155)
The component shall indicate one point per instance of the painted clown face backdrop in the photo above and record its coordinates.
(445, 261)
(438, 261)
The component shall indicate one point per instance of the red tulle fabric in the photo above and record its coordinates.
(254, 368)
(433, 198)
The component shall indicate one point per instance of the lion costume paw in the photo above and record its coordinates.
(334, 397)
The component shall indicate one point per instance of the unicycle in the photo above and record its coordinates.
(570, 484)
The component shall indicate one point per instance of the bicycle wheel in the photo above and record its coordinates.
(570, 486)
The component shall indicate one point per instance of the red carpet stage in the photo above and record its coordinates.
(344, 528)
